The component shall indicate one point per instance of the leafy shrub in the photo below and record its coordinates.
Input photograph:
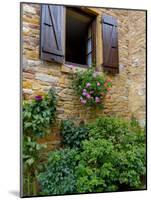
(104, 167)
(73, 135)
(114, 156)
(130, 163)
(39, 114)
(31, 151)
(96, 171)
(31, 164)
(59, 174)
(119, 131)
(91, 87)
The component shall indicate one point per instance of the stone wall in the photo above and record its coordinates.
(128, 91)
(137, 65)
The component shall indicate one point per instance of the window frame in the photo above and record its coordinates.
(83, 11)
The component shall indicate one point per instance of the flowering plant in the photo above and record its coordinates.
(91, 87)
(39, 114)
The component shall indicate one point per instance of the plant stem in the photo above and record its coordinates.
(34, 187)
(28, 185)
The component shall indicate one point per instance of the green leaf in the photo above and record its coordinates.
(30, 161)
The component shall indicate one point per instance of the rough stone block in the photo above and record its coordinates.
(46, 78)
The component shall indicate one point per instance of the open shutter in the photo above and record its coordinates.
(52, 33)
(110, 44)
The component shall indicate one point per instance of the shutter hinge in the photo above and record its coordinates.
(47, 24)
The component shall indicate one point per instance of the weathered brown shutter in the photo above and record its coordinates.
(52, 33)
(110, 44)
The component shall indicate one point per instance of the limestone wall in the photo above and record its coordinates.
(137, 65)
(128, 91)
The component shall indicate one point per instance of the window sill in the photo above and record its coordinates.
(72, 65)
(71, 68)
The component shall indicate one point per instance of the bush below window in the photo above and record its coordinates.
(119, 131)
(73, 135)
(110, 159)
(106, 167)
(59, 174)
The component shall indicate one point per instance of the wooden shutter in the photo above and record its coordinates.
(110, 44)
(52, 33)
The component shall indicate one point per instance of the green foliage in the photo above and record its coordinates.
(130, 163)
(110, 157)
(39, 114)
(91, 87)
(73, 135)
(134, 122)
(31, 152)
(58, 176)
(114, 156)
(96, 171)
(31, 164)
(119, 131)
(104, 167)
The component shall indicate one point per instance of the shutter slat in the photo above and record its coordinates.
(110, 44)
(52, 33)
(55, 25)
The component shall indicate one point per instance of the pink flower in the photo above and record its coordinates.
(109, 81)
(88, 95)
(84, 93)
(84, 90)
(98, 84)
(83, 101)
(38, 98)
(88, 85)
(97, 99)
(91, 92)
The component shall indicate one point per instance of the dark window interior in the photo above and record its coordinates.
(77, 25)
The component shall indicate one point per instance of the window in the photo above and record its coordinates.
(68, 35)
(78, 37)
